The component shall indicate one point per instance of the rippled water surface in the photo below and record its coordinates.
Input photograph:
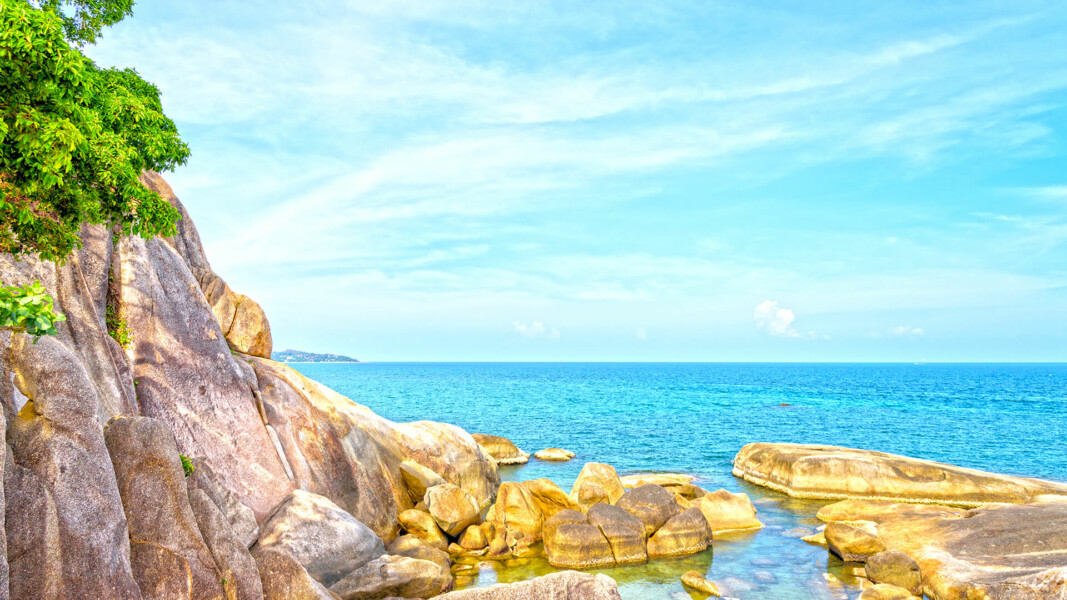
(693, 418)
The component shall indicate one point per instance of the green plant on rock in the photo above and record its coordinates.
(28, 308)
(187, 465)
(117, 327)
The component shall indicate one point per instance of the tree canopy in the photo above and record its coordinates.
(74, 138)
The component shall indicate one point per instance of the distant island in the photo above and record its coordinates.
(301, 356)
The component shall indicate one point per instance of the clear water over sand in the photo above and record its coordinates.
(692, 418)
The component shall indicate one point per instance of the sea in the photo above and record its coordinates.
(693, 418)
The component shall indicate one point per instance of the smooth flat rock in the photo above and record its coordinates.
(554, 454)
(996, 552)
(503, 450)
(726, 511)
(326, 541)
(565, 585)
(879, 510)
(830, 472)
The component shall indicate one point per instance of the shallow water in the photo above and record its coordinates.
(692, 418)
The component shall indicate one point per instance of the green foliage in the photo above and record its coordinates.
(28, 308)
(187, 465)
(74, 138)
(117, 327)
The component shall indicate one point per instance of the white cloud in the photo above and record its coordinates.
(774, 320)
(536, 329)
(907, 331)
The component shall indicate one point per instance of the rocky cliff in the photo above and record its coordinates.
(95, 499)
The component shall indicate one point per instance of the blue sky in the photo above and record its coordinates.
(702, 181)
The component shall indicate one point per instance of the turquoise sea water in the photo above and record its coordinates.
(693, 418)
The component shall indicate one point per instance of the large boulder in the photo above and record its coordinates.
(326, 541)
(650, 503)
(58, 437)
(503, 450)
(452, 508)
(816, 471)
(624, 532)
(563, 517)
(1013, 551)
(895, 568)
(725, 511)
(590, 494)
(423, 526)
(550, 498)
(554, 455)
(516, 509)
(394, 576)
(578, 546)
(566, 585)
(240, 577)
(418, 479)
(853, 540)
(413, 547)
(284, 579)
(603, 476)
(685, 533)
(249, 331)
(151, 481)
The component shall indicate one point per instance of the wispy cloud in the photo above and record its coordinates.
(774, 320)
(907, 331)
(536, 329)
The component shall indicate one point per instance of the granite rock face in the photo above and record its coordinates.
(831, 472)
(566, 585)
(283, 578)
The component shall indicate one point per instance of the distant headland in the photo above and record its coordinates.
(299, 356)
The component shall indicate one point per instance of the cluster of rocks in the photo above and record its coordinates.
(924, 527)
(505, 452)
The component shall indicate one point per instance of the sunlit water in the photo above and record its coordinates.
(693, 418)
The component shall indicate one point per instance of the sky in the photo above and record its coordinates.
(468, 180)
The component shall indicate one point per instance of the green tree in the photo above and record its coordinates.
(74, 138)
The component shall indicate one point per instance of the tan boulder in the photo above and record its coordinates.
(696, 581)
(240, 577)
(284, 579)
(854, 541)
(589, 494)
(726, 511)
(565, 585)
(423, 526)
(452, 508)
(413, 547)
(602, 475)
(418, 479)
(650, 503)
(503, 450)
(685, 533)
(323, 539)
(160, 573)
(473, 538)
(815, 471)
(394, 576)
(561, 518)
(816, 539)
(661, 479)
(895, 568)
(624, 532)
(57, 436)
(554, 455)
(883, 591)
(453, 454)
(550, 498)
(250, 332)
(515, 509)
(578, 546)
(151, 481)
(879, 511)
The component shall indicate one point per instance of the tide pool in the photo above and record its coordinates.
(693, 418)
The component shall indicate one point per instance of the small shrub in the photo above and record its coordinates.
(28, 308)
(187, 465)
(117, 328)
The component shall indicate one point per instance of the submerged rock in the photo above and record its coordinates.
(554, 454)
(726, 511)
(696, 581)
(566, 585)
(326, 541)
(816, 471)
(503, 450)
